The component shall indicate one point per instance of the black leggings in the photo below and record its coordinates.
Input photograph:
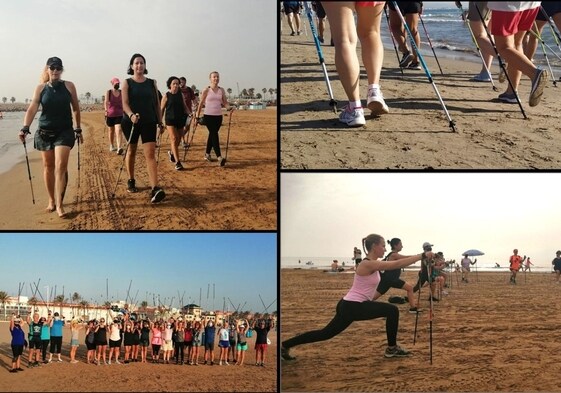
(56, 344)
(346, 313)
(213, 123)
(179, 350)
(45, 344)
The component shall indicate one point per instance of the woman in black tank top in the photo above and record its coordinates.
(175, 109)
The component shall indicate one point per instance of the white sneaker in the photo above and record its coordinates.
(112, 148)
(376, 102)
(118, 362)
(354, 118)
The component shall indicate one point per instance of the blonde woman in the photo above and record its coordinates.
(55, 136)
(115, 340)
(74, 343)
(242, 326)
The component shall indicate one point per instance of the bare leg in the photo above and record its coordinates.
(49, 177)
(370, 40)
(149, 153)
(510, 48)
(61, 166)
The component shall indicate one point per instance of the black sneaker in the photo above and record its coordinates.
(131, 187)
(157, 195)
(285, 354)
(120, 151)
(171, 157)
(406, 59)
(178, 166)
(396, 352)
(414, 310)
(414, 66)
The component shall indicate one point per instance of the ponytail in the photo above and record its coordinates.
(370, 240)
(44, 78)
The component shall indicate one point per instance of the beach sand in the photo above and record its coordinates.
(488, 336)
(416, 133)
(242, 195)
(136, 377)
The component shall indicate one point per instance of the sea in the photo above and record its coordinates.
(325, 263)
(11, 149)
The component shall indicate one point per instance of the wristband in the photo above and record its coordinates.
(78, 130)
(25, 130)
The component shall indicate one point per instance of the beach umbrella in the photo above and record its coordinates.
(474, 253)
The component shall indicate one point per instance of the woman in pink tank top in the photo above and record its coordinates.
(357, 304)
(113, 114)
(213, 100)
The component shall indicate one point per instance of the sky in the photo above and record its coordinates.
(96, 38)
(327, 215)
(240, 267)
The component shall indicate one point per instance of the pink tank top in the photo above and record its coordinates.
(213, 103)
(363, 287)
(115, 105)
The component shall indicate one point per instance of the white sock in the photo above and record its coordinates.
(355, 104)
(374, 86)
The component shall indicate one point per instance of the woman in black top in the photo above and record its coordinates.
(175, 109)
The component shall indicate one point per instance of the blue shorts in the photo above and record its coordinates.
(224, 344)
(45, 141)
(74, 342)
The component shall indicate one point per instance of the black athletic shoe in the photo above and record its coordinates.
(285, 354)
(178, 166)
(131, 187)
(157, 195)
(171, 157)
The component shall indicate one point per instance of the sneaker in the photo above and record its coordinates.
(220, 363)
(414, 66)
(120, 151)
(110, 362)
(509, 98)
(406, 59)
(178, 166)
(118, 362)
(502, 75)
(538, 84)
(220, 159)
(171, 157)
(185, 145)
(112, 148)
(414, 310)
(376, 103)
(74, 361)
(299, 32)
(293, 34)
(157, 195)
(481, 77)
(226, 363)
(285, 354)
(354, 118)
(58, 360)
(131, 187)
(396, 352)
(207, 157)
(320, 39)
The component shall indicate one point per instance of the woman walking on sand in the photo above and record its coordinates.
(357, 304)
(175, 110)
(113, 115)
(390, 278)
(213, 99)
(55, 136)
(142, 114)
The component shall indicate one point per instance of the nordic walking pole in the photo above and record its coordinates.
(545, 43)
(554, 32)
(29, 172)
(539, 38)
(78, 141)
(393, 39)
(429, 274)
(332, 101)
(476, 276)
(501, 63)
(451, 122)
(430, 43)
(223, 162)
(124, 157)
(418, 303)
(479, 52)
(191, 142)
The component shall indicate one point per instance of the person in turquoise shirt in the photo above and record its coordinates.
(56, 336)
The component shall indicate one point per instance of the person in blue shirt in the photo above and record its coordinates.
(18, 341)
(45, 337)
(210, 331)
(56, 336)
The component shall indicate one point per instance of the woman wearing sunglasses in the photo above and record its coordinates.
(55, 136)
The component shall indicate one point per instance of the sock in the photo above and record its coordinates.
(355, 104)
(374, 86)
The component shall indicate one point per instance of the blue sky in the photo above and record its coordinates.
(239, 266)
(96, 38)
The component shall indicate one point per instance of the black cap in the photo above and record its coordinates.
(54, 61)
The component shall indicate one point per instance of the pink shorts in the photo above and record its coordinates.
(504, 23)
(368, 3)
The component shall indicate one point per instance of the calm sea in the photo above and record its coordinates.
(11, 149)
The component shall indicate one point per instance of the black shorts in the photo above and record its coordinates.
(384, 286)
(90, 346)
(407, 7)
(320, 12)
(179, 124)
(209, 346)
(551, 7)
(112, 121)
(114, 344)
(35, 342)
(17, 350)
(145, 130)
(290, 10)
(100, 343)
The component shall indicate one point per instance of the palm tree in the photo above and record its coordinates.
(88, 96)
(244, 93)
(229, 91)
(251, 92)
(4, 99)
(271, 91)
(259, 96)
(13, 99)
(75, 299)
(144, 304)
(84, 304)
(3, 298)
(264, 90)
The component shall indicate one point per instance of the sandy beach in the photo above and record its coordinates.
(67, 377)
(488, 336)
(416, 133)
(242, 195)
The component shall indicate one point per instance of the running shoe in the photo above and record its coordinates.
(414, 66)
(112, 148)
(178, 166)
(157, 195)
(414, 310)
(352, 118)
(285, 354)
(120, 151)
(509, 98)
(481, 77)
(396, 352)
(293, 34)
(538, 84)
(171, 157)
(502, 75)
(406, 59)
(321, 39)
(220, 159)
(131, 187)
(207, 157)
(376, 102)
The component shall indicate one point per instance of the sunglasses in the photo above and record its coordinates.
(55, 68)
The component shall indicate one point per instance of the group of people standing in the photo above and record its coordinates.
(509, 24)
(134, 106)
